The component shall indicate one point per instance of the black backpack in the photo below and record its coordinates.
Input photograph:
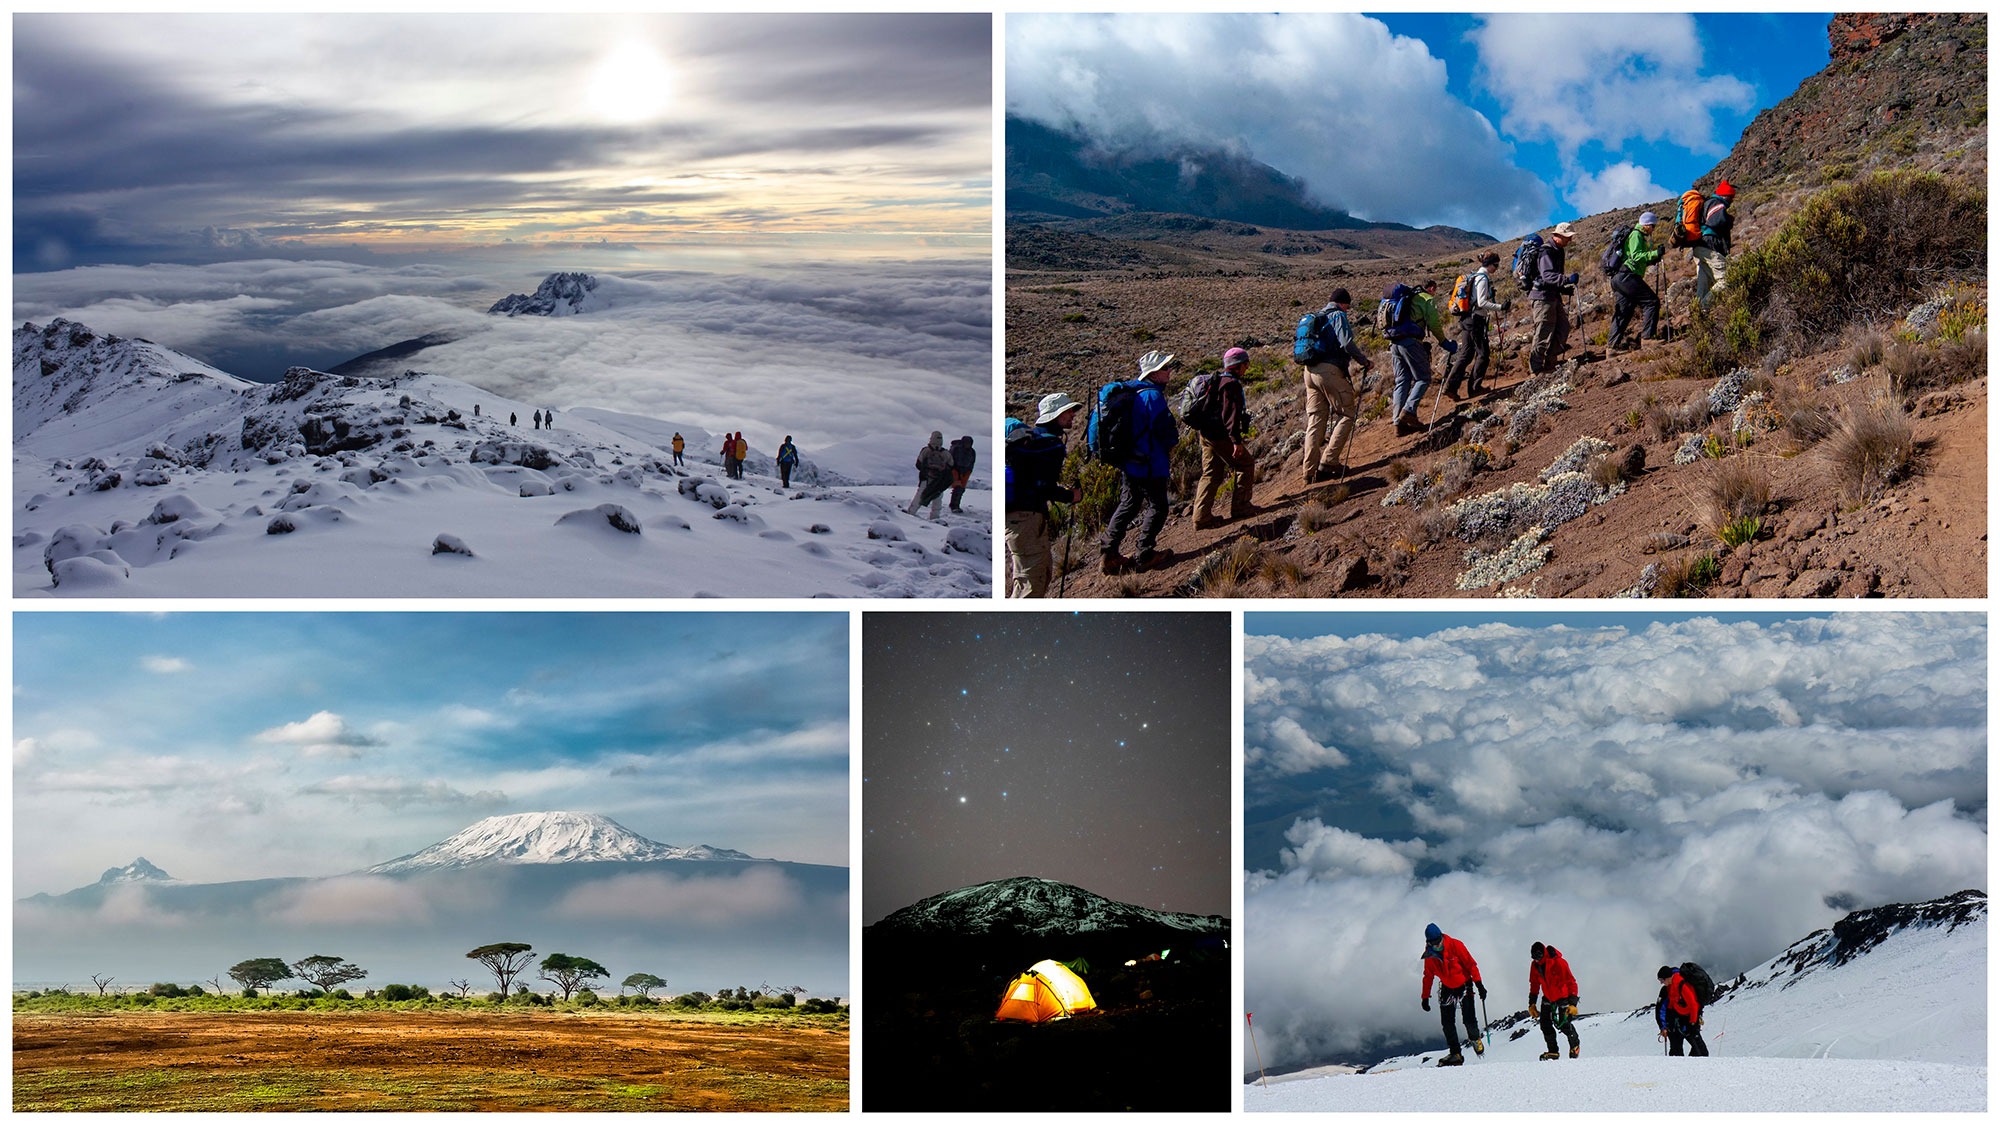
(1698, 979)
(1109, 436)
(1200, 402)
(1613, 258)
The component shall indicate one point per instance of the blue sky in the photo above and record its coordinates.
(240, 745)
(1501, 123)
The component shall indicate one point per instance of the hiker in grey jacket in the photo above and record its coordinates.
(1329, 392)
(1475, 350)
(1545, 298)
(933, 475)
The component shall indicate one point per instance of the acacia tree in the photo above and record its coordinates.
(504, 959)
(644, 982)
(463, 986)
(259, 972)
(567, 972)
(325, 971)
(101, 981)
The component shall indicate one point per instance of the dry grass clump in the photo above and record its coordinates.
(1224, 573)
(1687, 576)
(1873, 448)
(1397, 471)
(1314, 518)
(1737, 488)
(1915, 367)
(1606, 470)
(1665, 422)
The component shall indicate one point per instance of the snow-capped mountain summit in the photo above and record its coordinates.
(64, 372)
(547, 837)
(1028, 906)
(559, 294)
(137, 871)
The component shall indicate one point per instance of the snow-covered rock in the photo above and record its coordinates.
(559, 294)
(547, 837)
(137, 871)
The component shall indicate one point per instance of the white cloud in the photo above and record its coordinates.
(355, 900)
(1362, 116)
(400, 793)
(323, 735)
(165, 665)
(1285, 745)
(26, 751)
(1615, 78)
(758, 894)
(1688, 789)
(1623, 184)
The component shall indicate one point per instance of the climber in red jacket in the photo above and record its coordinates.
(1450, 964)
(1549, 978)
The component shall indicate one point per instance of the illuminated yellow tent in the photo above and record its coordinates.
(1047, 991)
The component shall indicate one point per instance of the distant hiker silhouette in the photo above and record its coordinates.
(680, 446)
(513, 419)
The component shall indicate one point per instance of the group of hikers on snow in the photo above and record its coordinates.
(939, 468)
(1552, 998)
(1133, 426)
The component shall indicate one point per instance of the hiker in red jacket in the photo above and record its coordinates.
(1448, 962)
(1679, 1013)
(1549, 977)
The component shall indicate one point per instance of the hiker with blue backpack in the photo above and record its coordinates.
(1134, 430)
(1035, 457)
(1325, 346)
(1626, 260)
(1404, 315)
(1471, 300)
(1679, 1009)
(788, 457)
(1542, 275)
(1214, 410)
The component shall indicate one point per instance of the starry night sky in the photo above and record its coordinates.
(1090, 748)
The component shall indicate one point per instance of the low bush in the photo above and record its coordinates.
(1872, 449)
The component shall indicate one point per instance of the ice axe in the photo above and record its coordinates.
(1261, 1080)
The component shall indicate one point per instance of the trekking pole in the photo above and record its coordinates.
(1069, 533)
(1261, 1080)
(1486, 1022)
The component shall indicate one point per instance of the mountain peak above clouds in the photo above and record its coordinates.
(546, 837)
(1029, 905)
(137, 871)
(559, 294)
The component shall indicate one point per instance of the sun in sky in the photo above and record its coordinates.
(630, 84)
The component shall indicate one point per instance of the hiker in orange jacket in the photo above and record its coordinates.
(1549, 977)
(1450, 964)
(1679, 1013)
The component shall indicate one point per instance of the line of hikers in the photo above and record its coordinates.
(939, 469)
(736, 451)
(1134, 425)
(1685, 992)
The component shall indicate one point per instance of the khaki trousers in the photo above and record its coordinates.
(1330, 397)
(1216, 467)
(1028, 554)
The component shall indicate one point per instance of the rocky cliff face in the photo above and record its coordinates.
(1900, 90)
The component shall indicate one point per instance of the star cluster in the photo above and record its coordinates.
(1091, 748)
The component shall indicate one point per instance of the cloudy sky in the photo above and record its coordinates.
(795, 208)
(1635, 789)
(247, 745)
(1500, 123)
(1092, 749)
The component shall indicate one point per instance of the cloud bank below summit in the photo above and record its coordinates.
(1687, 789)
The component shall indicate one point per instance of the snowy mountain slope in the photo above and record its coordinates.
(137, 871)
(1038, 907)
(1641, 1083)
(147, 476)
(1895, 995)
(546, 837)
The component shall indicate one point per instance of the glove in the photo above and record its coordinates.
(1481, 985)
(1573, 279)
(1532, 1013)
(1427, 1002)
(1506, 303)
(1572, 1011)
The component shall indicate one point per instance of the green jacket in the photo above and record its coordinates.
(1640, 253)
(1427, 313)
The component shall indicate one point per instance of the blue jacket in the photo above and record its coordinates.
(1154, 433)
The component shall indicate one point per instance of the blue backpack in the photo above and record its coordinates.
(1393, 317)
(1525, 257)
(1110, 436)
(1305, 346)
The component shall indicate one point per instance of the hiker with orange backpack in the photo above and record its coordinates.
(1711, 254)
(1450, 964)
(1550, 978)
(1471, 300)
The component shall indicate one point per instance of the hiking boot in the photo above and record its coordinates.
(1547, 1055)
(1479, 1046)
(1575, 1050)
(1115, 563)
(1205, 523)
(1407, 424)
(1453, 1059)
(1152, 560)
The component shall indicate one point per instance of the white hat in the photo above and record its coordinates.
(1563, 230)
(1153, 361)
(1648, 219)
(1054, 406)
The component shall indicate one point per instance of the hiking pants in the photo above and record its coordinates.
(1551, 333)
(1329, 396)
(1633, 292)
(1028, 554)
(1133, 492)
(1548, 1023)
(677, 458)
(784, 475)
(1710, 269)
(1216, 467)
(959, 479)
(1473, 353)
(1679, 1030)
(1412, 362)
(1449, 1001)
